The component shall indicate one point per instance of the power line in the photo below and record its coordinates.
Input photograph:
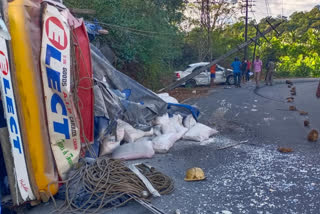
(254, 15)
(282, 9)
(246, 28)
(134, 30)
(293, 3)
(264, 12)
(267, 7)
(247, 5)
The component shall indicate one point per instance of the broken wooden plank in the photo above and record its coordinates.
(239, 47)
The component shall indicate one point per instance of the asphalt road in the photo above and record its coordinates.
(252, 177)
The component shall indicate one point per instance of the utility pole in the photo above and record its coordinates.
(255, 49)
(228, 54)
(206, 22)
(246, 29)
(247, 4)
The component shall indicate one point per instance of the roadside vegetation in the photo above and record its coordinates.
(151, 39)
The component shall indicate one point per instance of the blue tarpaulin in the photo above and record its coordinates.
(183, 109)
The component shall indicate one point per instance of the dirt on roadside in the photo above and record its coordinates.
(182, 94)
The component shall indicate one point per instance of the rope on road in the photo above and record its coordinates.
(108, 184)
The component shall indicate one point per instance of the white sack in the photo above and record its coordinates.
(135, 150)
(131, 134)
(167, 98)
(189, 121)
(161, 120)
(108, 145)
(119, 133)
(173, 125)
(199, 132)
(163, 143)
(157, 130)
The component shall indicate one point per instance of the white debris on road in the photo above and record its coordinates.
(268, 119)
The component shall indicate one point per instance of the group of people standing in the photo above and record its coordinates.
(242, 71)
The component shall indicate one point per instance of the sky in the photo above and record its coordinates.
(279, 7)
(263, 8)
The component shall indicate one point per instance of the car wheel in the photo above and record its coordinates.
(191, 84)
(230, 80)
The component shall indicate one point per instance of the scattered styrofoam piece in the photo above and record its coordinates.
(135, 150)
(199, 132)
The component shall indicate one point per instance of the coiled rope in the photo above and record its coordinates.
(107, 184)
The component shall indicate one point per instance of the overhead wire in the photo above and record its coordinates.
(267, 7)
(293, 3)
(137, 31)
(254, 15)
(281, 9)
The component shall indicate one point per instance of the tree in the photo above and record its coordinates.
(208, 15)
(143, 34)
(297, 50)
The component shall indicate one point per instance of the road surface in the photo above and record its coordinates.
(252, 177)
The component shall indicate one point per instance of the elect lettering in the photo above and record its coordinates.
(53, 61)
(11, 114)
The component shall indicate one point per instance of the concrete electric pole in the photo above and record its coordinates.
(246, 29)
(246, 5)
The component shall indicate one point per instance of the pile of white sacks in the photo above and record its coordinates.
(165, 132)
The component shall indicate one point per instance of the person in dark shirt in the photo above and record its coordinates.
(270, 72)
(236, 65)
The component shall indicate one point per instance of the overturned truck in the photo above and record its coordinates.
(45, 75)
(62, 101)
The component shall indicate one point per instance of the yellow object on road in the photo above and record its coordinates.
(195, 174)
(29, 93)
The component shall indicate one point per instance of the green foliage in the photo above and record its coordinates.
(296, 51)
(297, 56)
(148, 40)
(140, 32)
